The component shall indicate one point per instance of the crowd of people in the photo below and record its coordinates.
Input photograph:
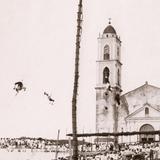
(87, 151)
(33, 144)
(125, 152)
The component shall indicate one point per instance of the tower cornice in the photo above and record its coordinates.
(110, 61)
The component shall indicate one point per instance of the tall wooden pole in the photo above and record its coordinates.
(56, 154)
(76, 77)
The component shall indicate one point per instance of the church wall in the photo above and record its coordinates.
(145, 94)
(104, 112)
(141, 113)
(122, 113)
(136, 101)
(106, 119)
(135, 126)
(130, 114)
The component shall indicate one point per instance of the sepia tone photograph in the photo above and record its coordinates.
(80, 80)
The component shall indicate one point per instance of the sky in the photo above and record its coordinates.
(37, 46)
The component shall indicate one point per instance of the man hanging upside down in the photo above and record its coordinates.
(18, 86)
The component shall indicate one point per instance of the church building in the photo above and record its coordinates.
(137, 110)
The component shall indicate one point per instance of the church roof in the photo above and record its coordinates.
(138, 97)
(109, 29)
(141, 87)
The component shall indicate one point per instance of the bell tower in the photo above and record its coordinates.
(108, 80)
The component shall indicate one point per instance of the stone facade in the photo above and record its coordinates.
(142, 108)
(108, 75)
(138, 110)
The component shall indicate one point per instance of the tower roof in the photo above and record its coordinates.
(109, 29)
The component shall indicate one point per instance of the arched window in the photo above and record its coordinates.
(118, 77)
(106, 75)
(146, 127)
(146, 111)
(106, 52)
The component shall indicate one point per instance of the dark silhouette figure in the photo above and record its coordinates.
(18, 86)
(151, 154)
(108, 89)
(49, 97)
(117, 98)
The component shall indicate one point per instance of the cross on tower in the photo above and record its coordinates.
(109, 20)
